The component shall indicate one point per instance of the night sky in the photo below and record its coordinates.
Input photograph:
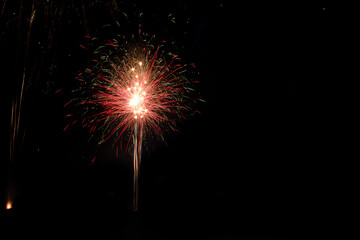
(245, 168)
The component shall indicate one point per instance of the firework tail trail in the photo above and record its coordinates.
(137, 137)
(16, 107)
(135, 167)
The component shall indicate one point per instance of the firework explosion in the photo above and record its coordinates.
(143, 92)
(135, 95)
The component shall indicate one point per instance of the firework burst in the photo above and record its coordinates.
(135, 95)
(140, 90)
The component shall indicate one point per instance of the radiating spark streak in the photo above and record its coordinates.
(2, 11)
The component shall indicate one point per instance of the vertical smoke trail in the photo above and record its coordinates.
(137, 140)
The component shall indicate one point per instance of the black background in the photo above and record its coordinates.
(247, 167)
